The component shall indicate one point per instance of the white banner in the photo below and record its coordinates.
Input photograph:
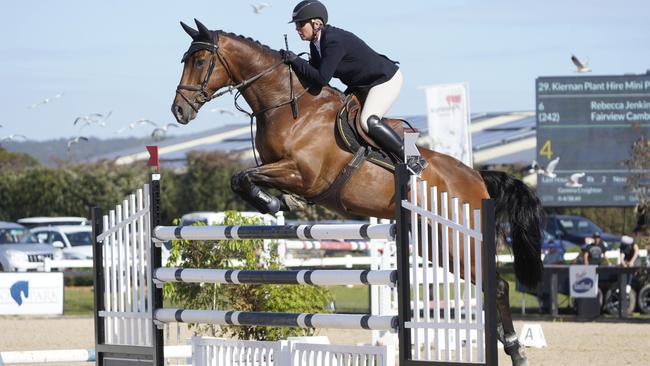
(583, 281)
(448, 118)
(31, 293)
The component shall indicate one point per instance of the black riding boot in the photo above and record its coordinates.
(390, 142)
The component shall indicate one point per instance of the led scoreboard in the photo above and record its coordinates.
(585, 129)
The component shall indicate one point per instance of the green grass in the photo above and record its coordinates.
(78, 301)
(350, 300)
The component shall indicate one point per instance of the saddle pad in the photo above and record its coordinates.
(348, 116)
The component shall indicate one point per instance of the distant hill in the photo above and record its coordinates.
(54, 152)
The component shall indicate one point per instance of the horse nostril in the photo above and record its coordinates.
(178, 110)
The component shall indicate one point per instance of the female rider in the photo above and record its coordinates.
(339, 53)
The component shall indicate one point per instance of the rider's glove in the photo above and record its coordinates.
(288, 57)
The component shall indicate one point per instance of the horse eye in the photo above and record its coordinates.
(199, 63)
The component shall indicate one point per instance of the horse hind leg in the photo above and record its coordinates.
(505, 329)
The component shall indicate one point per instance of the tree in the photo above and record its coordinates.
(639, 179)
(15, 161)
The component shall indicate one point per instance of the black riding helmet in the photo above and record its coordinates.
(309, 9)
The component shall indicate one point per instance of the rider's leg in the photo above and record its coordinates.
(385, 136)
(378, 101)
(380, 98)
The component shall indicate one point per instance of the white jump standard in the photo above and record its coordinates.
(129, 312)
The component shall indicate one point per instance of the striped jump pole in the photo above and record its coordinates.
(328, 245)
(278, 232)
(301, 320)
(298, 277)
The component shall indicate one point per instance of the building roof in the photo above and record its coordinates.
(497, 138)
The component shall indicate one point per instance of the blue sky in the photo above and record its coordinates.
(123, 56)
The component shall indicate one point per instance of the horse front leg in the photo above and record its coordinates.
(281, 175)
(505, 329)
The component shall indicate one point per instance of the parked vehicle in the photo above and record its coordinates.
(76, 240)
(549, 241)
(216, 218)
(31, 222)
(21, 252)
(576, 228)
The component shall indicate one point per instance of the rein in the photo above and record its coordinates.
(203, 96)
(253, 115)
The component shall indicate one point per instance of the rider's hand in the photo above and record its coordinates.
(288, 57)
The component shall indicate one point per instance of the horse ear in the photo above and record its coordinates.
(203, 30)
(192, 32)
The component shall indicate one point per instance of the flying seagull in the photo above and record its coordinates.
(98, 118)
(159, 133)
(580, 67)
(13, 138)
(75, 141)
(134, 124)
(45, 101)
(574, 180)
(222, 111)
(549, 171)
(257, 9)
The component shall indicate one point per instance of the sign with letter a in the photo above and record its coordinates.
(531, 335)
(448, 120)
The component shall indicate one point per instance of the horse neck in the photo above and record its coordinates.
(267, 91)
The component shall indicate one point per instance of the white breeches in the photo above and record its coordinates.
(380, 98)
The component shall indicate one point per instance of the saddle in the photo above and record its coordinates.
(355, 140)
(348, 127)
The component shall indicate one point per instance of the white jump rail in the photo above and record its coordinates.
(76, 355)
(302, 277)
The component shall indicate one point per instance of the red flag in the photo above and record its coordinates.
(153, 157)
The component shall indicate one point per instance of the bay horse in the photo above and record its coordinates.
(302, 154)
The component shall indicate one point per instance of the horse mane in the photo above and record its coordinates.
(249, 40)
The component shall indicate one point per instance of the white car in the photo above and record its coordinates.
(52, 221)
(20, 252)
(76, 240)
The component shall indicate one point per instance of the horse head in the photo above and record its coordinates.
(205, 71)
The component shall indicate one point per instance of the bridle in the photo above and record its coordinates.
(203, 96)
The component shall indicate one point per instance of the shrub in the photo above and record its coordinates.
(243, 255)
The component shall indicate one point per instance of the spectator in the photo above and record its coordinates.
(579, 259)
(594, 253)
(629, 252)
(6, 237)
(555, 254)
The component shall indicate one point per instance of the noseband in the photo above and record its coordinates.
(203, 96)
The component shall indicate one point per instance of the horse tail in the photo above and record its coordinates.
(518, 208)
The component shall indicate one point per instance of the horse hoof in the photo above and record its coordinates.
(519, 358)
(516, 353)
